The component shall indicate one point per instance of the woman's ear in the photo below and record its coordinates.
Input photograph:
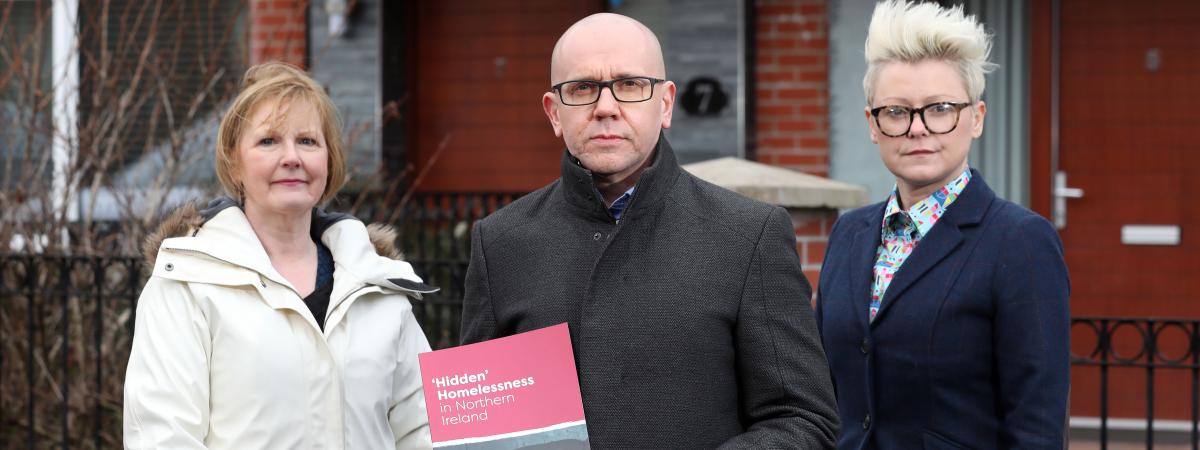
(871, 125)
(980, 111)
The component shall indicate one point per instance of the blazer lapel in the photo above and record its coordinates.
(942, 239)
(862, 254)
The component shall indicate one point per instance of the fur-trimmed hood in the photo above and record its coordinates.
(187, 220)
(221, 232)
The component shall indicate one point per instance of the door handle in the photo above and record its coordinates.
(1061, 193)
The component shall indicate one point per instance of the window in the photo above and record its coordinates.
(154, 79)
(25, 81)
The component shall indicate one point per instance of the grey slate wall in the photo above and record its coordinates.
(853, 158)
(699, 38)
(349, 67)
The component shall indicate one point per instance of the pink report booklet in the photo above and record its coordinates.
(513, 392)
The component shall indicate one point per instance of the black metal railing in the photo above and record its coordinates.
(1152, 345)
(65, 329)
(66, 322)
(435, 236)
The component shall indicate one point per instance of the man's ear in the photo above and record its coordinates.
(871, 125)
(550, 105)
(668, 103)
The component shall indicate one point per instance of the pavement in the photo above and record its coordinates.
(1089, 439)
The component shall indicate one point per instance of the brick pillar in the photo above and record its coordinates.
(791, 75)
(812, 235)
(278, 31)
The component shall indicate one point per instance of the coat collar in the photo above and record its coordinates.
(654, 184)
(945, 236)
(224, 234)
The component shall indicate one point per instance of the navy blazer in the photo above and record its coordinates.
(970, 348)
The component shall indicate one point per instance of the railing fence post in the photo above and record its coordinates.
(1105, 348)
(1150, 346)
(1194, 349)
(98, 271)
(64, 275)
(30, 282)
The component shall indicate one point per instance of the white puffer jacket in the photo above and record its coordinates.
(227, 355)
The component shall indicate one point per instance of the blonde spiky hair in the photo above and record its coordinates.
(913, 32)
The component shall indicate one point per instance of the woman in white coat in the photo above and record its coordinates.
(268, 323)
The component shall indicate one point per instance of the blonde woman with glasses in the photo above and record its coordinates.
(943, 310)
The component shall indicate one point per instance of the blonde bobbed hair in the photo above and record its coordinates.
(284, 83)
(906, 32)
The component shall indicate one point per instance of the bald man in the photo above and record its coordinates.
(688, 312)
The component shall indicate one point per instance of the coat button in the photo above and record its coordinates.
(867, 422)
(597, 236)
(865, 346)
(169, 267)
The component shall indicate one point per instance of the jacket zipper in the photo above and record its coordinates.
(343, 303)
(337, 379)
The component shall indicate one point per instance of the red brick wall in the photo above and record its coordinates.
(278, 30)
(791, 108)
(791, 77)
(812, 235)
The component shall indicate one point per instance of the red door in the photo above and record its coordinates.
(1129, 128)
(482, 66)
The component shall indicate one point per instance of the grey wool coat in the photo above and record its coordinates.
(690, 318)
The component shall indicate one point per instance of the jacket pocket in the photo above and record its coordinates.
(935, 441)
